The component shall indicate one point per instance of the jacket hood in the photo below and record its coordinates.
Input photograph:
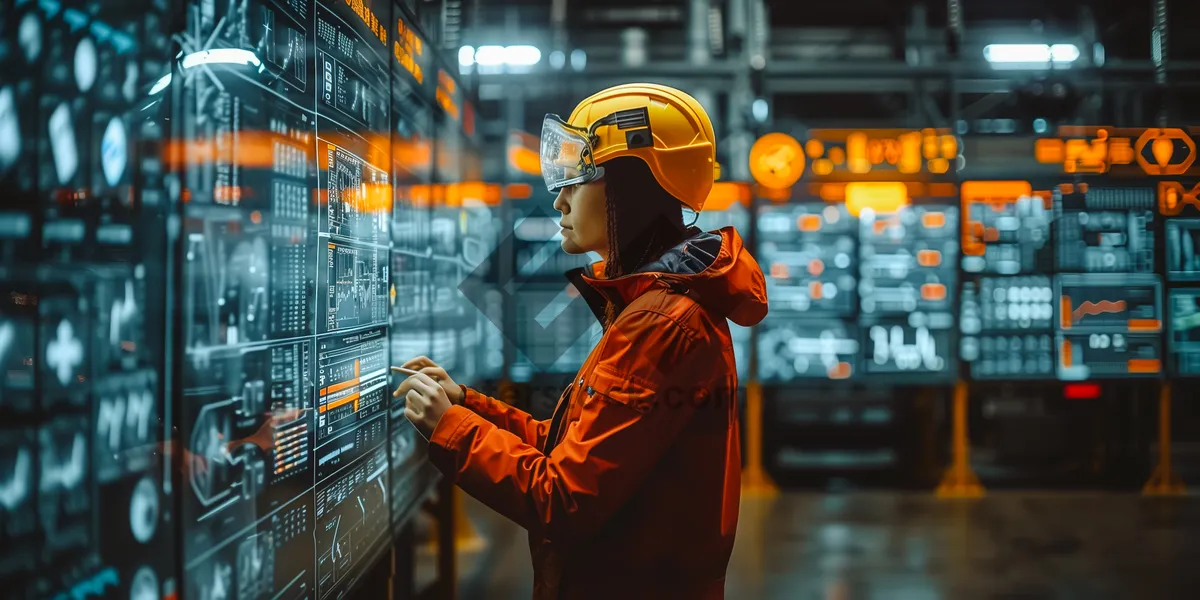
(713, 267)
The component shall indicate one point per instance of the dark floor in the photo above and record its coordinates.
(913, 546)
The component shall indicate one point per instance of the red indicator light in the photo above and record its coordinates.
(1081, 391)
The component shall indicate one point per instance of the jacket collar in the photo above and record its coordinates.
(690, 257)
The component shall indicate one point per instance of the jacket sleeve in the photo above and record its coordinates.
(625, 427)
(507, 417)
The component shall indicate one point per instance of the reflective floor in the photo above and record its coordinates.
(913, 546)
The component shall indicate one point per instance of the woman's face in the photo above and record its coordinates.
(584, 218)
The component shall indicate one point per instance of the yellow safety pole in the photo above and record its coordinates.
(756, 483)
(1164, 481)
(466, 537)
(960, 480)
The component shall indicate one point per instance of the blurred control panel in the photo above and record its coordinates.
(1075, 281)
(87, 494)
(858, 292)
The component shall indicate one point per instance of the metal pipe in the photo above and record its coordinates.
(954, 24)
(558, 25)
(698, 51)
(1158, 41)
(737, 19)
(1159, 51)
(759, 34)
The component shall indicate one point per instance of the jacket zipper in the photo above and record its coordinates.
(556, 420)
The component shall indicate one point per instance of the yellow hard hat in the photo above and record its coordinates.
(663, 126)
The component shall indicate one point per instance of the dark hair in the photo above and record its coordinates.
(644, 220)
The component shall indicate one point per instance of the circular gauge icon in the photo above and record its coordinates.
(30, 37)
(143, 510)
(776, 161)
(85, 64)
(114, 151)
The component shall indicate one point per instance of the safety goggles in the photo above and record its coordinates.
(566, 155)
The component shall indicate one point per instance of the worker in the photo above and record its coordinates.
(631, 489)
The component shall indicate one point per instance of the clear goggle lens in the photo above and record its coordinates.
(566, 155)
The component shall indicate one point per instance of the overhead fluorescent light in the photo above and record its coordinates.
(522, 56)
(496, 56)
(1031, 54)
(490, 56)
(1064, 53)
(466, 56)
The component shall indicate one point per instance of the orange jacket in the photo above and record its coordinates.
(631, 490)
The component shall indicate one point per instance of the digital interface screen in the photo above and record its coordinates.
(1108, 355)
(1011, 235)
(1109, 326)
(411, 294)
(1184, 328)
(86, 495)
(1106, 231)
(809, 253)
(1008, 326)
(790, 349)
(1183, 250)
(314, 259)
(908, 261)
(898, 348)
(1126, 303)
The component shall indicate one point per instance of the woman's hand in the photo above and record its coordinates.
(422, 364)
(424, 402)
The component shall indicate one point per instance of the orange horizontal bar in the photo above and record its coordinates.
(943, 190)
(518, 191)
(337, 387)
(1145, 365)
(995, 191)
(1145, 325)
(833, 192)
(340, 402)
(933, 220)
